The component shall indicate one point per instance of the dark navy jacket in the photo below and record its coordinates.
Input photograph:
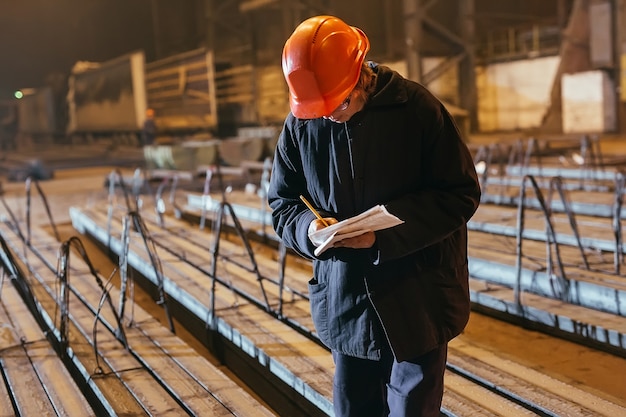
(402, 150)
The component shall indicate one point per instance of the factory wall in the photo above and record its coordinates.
(514, 95)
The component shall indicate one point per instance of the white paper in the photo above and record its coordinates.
(376, 218)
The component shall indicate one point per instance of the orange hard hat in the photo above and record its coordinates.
(322, 62)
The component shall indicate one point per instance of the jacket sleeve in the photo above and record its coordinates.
(447, 197)
(290, 217)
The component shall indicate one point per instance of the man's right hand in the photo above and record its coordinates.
(318, 224)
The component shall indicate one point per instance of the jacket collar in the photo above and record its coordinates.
(389, 89)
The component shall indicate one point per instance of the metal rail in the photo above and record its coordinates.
(500, 391)
(590, 158)
(490, 159)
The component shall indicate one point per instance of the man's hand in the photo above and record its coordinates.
(366, 240)
(318, 224)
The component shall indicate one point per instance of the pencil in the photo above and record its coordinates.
(305, 201)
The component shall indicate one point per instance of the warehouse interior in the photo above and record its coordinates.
(144, 278)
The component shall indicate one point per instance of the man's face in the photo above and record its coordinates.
(346, 109)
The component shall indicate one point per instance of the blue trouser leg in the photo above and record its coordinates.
(366, 388)
(359, 388)
(416, 386)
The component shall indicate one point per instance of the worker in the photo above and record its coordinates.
(149, 129)
(386, 303)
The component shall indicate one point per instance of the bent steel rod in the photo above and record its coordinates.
(30, 181)
(172, 181)
(155, 261)
(73, 362)
(556, 183)
(217, 230)
(551, 238)
(139, 225)
(63, 270)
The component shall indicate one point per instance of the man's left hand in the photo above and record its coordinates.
(366, 240)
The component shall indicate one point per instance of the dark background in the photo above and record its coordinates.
(41, 40)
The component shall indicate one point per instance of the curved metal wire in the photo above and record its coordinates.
(63, 274)
(217, 230)
(551, 238)
(134, 219)
(28, 183)
(140, 226)
(172, 182)
(556, 183)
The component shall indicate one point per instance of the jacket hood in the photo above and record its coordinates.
(390, 87)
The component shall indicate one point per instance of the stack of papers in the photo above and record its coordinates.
(376, 218)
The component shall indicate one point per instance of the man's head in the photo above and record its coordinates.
(322, 62)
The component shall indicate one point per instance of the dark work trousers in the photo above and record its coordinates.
(366, 388)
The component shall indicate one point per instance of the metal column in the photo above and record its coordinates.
(413, 21)
(467, 66)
